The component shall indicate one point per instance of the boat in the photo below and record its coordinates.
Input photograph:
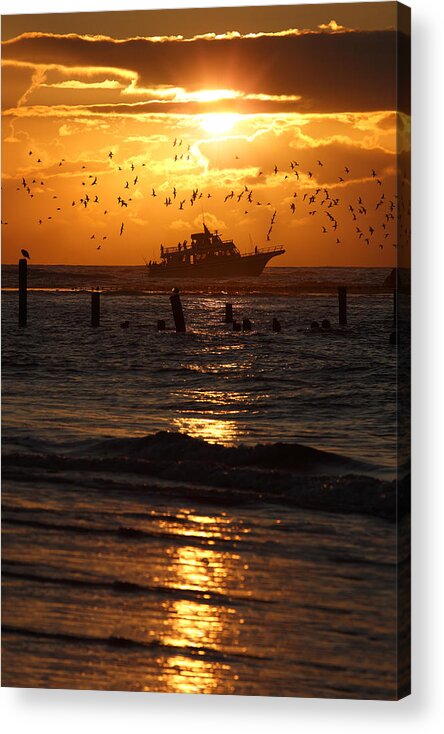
(209, 256)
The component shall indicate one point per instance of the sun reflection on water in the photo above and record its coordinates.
(200, 628)
(210, 429)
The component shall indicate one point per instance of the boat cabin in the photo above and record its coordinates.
(204, 245)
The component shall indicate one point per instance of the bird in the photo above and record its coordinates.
(26, 254)
(121, 228)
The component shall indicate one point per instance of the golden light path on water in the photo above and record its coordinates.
(210, 429)
(196, 628)
(211, 426)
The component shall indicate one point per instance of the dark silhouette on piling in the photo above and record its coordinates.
(342, 299)
(95, 309)
(246, 325)
(23, 292)
(176, 305)
(276, 325)
(237, 326)
(228, 313)
(161, 326)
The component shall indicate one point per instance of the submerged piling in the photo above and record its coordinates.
(276, 325)
(176, 305)
(246, 325)
(95, 309)
(161, 325)
(342, 300)
(237, 326)
(23, 292)
(228, 313)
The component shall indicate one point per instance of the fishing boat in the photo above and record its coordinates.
(209, 256)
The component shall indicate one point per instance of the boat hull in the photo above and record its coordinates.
(229, 267)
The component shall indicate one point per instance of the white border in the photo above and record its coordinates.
(36, 711)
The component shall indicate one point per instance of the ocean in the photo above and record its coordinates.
(207, 512)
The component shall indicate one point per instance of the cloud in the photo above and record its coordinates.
(330, 71)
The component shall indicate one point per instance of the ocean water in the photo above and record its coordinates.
(334, 391)
(166, 525)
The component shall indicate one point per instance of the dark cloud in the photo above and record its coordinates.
(332, 72)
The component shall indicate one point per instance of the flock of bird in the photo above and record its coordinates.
(380, 224)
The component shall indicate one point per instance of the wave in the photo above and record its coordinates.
(178, 464)
(133, 281)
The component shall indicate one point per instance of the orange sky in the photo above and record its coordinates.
(292, 110)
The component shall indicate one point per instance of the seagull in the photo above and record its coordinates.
(26, 254)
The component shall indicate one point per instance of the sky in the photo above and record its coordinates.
(277, 125)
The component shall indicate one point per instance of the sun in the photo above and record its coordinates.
(218, 123)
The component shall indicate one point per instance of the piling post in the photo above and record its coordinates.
(246, 325)
(236, 326)
(228, 313)
(176, 305)
(161, 326)
(276, 325)
(95, 309)
(23, 292)
(342, 300)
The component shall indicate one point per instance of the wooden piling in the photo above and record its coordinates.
(342, 300)
(23, 292)
(276, 326)
(95, 309)
(236, 326)
(228, 313)
(161, 325)
(176, 305)
(246, 325)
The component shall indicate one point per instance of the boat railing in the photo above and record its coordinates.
(190, 248)
(262, 250)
